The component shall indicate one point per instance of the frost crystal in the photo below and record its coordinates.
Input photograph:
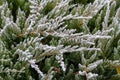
(33, 65)
(23, 55)
(59, 39)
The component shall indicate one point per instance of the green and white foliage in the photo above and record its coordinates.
(59, 40)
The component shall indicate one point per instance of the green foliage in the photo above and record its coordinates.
(14, 5)
(59, 40)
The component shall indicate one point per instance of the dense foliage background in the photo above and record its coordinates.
(59, 40)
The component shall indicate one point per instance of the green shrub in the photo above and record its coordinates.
(59, 40)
